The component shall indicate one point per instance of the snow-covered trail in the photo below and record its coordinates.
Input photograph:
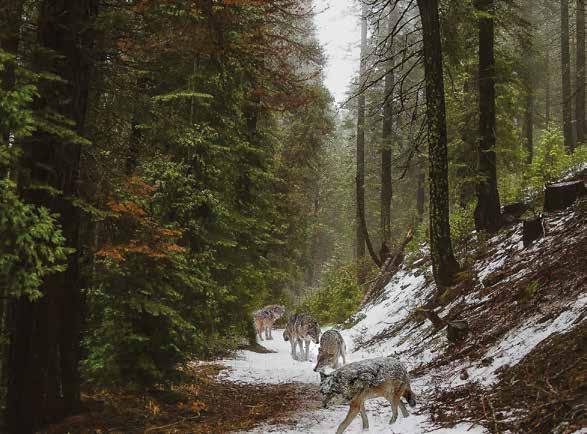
(279, 367)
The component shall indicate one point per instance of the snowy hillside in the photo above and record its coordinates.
(515, 300)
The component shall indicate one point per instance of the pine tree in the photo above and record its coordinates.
(444, 264)
(487, 212)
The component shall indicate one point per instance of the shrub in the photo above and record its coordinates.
(338, 296)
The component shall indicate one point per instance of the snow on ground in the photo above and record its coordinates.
(413, 345)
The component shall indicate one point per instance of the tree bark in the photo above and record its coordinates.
(580, 71)
(547, 90)
(420, 192)
(387, 142)
(444, 264)
(44, 348)
(529, 72)
(566, 77)
(487, 211)
(360, 175)
(10, 20)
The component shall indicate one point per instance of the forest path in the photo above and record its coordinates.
(275, 369)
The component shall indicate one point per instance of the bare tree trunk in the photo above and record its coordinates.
(487, 212)
(420, 192)
(529, 71)
(580, 70)
(360, 176)
(566, 77)
(444, 264)
(387, 141)
(10, 20)
(547, 90)
(44, 348)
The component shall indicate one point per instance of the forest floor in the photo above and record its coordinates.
(522, 368)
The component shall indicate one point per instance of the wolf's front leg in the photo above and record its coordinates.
(292, 342)
(268, 333)
(354, 408)
(404, 410)
(269, 328)
(307, 350)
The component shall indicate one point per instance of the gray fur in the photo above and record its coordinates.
(332, 347)
(301, 327)
(371, 378)
(264, 319)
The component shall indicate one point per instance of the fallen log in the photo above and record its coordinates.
(561, 195)
(388, 270)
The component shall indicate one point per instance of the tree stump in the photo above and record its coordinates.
(512, 212)
(457, 331)
(532, 230)
(562, 194)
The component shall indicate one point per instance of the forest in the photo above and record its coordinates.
(168, 168)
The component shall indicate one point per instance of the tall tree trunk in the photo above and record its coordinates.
(529, 72)
(387, 141)
(420, 192)
(547, 90)
(444, 264)
(580, 67)
(44, 354)
(529, 125)
(468, 134)
(10, 20)
(360, 175)
(487, 211)
(566, 77)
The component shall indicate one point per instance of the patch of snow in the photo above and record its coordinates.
(518, 343)
(379, 414)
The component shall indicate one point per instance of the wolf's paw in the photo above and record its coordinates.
(270, 338)
(393, 419)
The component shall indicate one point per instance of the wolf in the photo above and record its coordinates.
(332, 347)
(354, 383)
(264, 319)
(301, 327)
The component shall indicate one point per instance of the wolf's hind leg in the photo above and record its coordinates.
(364, 416)
(354, 408)
(394, 400)
(307, 350)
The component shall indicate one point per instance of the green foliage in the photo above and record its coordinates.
(31, 244)
(550, 163)
(337, 297)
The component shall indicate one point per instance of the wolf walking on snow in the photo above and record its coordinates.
(264, 319)
(372, 378)
(332, 347)
(301, 327)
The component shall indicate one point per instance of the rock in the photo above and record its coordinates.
(464, 375)
(457, 331)
(561, 195)
(532, 230)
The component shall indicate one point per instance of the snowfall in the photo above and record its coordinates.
(414, 346)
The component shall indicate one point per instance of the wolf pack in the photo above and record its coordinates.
(351, 383)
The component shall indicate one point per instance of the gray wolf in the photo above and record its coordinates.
(264, 319)
(301, 327)
(372, 378)
(332, 347)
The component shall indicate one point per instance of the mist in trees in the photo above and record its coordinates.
(169, 167)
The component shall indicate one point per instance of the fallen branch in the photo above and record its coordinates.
(388, 270)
